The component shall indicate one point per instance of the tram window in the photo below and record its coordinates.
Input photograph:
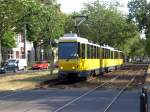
(79, 49)
(114, 55)
(118, 55)
(92, 52)
(96, 52)
(82, 51)
(106, 53)
(97, 55)
(100, 52)
(111, 56)
(121, 55)
(85, 50)
(88, 51)
(103, 54)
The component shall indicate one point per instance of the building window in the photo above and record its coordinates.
(17, 54)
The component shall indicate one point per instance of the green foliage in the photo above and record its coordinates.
(106, 25)
(43, 21)
(9, 39)
(139, 12)
(148, 46)
(134, 47)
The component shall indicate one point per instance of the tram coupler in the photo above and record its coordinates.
(144, 101)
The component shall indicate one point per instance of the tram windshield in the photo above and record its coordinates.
(68, 50)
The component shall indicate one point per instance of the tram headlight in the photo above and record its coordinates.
(61, 68)
(73, 67)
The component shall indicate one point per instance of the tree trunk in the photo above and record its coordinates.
(35, 50)
(0, 53)
(51, 60)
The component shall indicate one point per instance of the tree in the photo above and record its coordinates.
(43, 22)
(147, 48)
(105, 25)
(139, 13)
(10, 13)
(8, 40)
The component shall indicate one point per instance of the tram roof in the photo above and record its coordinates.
(75, 38)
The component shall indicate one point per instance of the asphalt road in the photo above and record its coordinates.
(55, 100)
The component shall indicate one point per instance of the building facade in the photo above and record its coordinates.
(18, 51)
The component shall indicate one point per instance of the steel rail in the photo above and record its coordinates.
(118, 95)
(86, 93)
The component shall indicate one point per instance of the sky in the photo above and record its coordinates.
(69, 6)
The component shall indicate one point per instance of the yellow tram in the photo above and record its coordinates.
(78, 57)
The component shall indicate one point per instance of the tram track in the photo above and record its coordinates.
(74, 100)
(118, 95)
(86, 93)
(109, 104)
(78, 98)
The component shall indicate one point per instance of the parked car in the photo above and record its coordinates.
(13, 65)
(40, 65)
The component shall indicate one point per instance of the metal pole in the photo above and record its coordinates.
(143, 101)
(78, 21)
(77, 30)
(25, 36)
